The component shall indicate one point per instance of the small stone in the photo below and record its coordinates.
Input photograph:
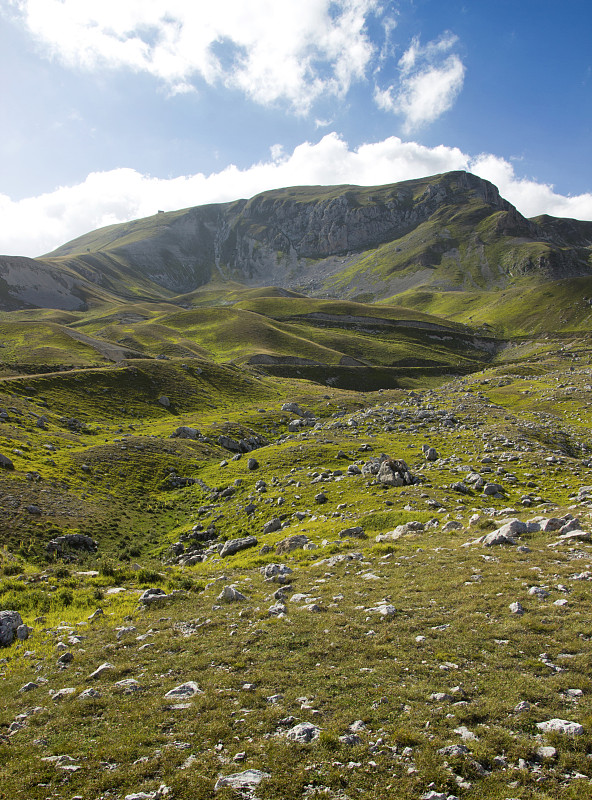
(100, 671)
(304, 732)
(241, 780)
(516, 608)
(231, 594)
(561, 726)
(188, 689)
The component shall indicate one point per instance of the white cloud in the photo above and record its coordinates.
(39, 224)
(530, 197)
(429, 83)
(292, 50)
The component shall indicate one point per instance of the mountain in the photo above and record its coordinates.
(450, 232)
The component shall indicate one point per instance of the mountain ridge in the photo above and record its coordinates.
(449, 232)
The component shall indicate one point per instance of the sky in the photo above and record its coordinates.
(115, 109)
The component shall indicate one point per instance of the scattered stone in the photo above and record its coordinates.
(466, 734)
(304, 732)
(5, 462)
(252, 463)
(292, 543)
(164, 401)
(454, 750)
(153, 595)
(241, 780)
(100, 671)
(561, 726)
(188, 689)
(127, 686)
(62, 693)
(320, 498)
(233, 546)
(546, 753)
(184, 432)
(231, 594)
(357, 533)
(351, 739)
(516, 608)
(275, 571)
(159, 794)
(89, 694)
(272, 526)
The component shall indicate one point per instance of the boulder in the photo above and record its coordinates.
(430, 453)
(357, 533)
(231, 594)
(561, 726)
(272, 526)
(394, 472)
(5, 462)
(153, 595)
(292, 543)
(233, 546)
(10, 622)
(71, 541)
(304, 732)
(229, 444)
(246, 780)
(184, 432)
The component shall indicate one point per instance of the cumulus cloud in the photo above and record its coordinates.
(293, 50)
(529, 196)
(39, 224)
(430, 79)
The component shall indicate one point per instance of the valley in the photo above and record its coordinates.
(300, 521)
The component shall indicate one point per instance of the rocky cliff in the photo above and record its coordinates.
(448, 231)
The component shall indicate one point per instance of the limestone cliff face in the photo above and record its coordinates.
(447, 231)
(273, 229)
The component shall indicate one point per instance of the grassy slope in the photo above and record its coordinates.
(348, 662)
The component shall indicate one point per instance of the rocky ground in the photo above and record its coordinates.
(333, 594)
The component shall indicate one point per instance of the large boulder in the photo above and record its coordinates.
(10, 622)
(233, 546)
(5, 462)
(184, 432)
(292, 543)
(394, 472)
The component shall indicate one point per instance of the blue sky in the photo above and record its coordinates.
(114, 109)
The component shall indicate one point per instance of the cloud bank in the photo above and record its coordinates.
(291, 52)
(37, 225)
